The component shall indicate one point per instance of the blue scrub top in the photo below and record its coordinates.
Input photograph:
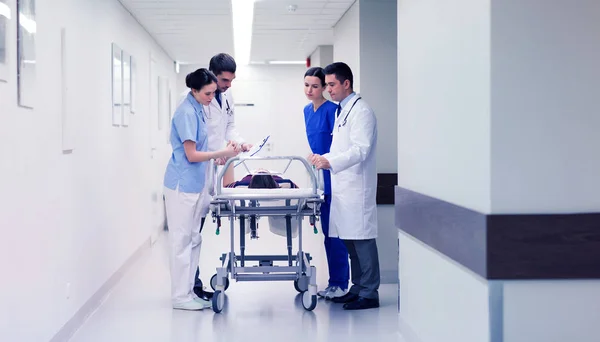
(319, 126)
(187, 124)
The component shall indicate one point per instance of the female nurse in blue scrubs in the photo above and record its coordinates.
(319, 117)
(184, 181)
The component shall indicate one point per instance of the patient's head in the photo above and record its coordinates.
(262, 181)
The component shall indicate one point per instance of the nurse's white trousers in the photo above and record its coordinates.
(183, 219)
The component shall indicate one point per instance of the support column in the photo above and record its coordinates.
(497, 204)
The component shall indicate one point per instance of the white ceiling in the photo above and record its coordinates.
(192, 31)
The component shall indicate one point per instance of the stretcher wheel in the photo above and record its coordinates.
(218, 301)
(213, 283)
(309, 301)
(301, 284)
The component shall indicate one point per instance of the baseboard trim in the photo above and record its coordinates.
(92, 304)
(406, 332)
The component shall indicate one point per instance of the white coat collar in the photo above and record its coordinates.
(346, 109)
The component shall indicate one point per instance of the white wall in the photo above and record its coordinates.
(439, 299)
(73, 218)
(346, 47)
(545, 107)
(444, 100)
(552, 311)
(378, 74)
(322, 56)
(315, 58)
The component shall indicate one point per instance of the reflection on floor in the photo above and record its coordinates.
(139, 307)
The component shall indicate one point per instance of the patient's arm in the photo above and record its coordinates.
(228, 176)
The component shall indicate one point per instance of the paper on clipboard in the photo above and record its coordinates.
(255, 148)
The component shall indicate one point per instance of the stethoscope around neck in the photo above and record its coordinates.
(227, 110)
(346, 117)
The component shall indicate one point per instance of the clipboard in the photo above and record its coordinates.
(255, 149)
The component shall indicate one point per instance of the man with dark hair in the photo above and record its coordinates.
(353, 167)
(220, 126)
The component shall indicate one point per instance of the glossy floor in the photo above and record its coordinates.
(139, 308)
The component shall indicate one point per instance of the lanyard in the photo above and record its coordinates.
(346, 117)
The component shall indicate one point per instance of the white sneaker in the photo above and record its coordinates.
(192, 305)
(334, 292)
(207, 303)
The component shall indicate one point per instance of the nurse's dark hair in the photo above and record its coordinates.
(341, 71)
(200, 78)
(222, 63)
(316, 72)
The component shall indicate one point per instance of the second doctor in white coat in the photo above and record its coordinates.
(220, 125)
(352, 163)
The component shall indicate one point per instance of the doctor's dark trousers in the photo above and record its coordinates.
(337, 254)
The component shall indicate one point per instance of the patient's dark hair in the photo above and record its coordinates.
(200, 78)
(316, 72)
(262, 181)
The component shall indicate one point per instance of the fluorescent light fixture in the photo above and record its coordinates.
(4, 10)
(287, 62)
(243, 15)
(28, 24)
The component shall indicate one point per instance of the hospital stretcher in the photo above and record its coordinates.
(246, 206)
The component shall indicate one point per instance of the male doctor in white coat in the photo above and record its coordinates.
(220, 126)
(352, 163)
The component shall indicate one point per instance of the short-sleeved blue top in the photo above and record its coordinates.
(187, 124)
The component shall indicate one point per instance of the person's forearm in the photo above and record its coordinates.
(198, 156)
(195, 156)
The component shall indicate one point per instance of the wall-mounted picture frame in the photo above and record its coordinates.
(26, 53)
(5, 22)
(68, 115)
(117, 84)
(132, 65)
(126, 86)
(169, 114)
(161, 102)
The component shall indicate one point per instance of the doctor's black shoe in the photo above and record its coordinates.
(347, 298)
(199, 291)
(362, 303)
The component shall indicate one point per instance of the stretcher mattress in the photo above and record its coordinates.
(266, 194)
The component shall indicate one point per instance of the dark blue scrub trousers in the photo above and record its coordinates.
(337, 254)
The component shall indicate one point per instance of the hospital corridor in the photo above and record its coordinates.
(299, 170)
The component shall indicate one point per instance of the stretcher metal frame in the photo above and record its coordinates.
(247, 207)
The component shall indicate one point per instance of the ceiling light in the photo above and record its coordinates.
(287, 62)
(292, 8)
(4, 10)
(242, 14)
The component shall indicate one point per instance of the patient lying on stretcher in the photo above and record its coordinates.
(262, 179)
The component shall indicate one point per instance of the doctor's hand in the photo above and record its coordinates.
(246, 147)
(228, 152)
(319, 161)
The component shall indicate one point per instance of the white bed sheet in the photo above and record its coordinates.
(279, 193)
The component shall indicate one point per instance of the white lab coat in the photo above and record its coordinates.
(220, 125)
(354, 173)
(220, 122)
